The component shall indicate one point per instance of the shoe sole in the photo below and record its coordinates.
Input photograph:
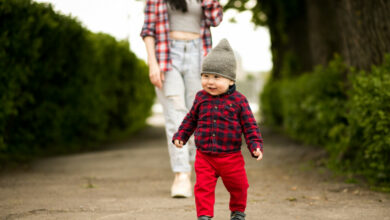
(181, 195)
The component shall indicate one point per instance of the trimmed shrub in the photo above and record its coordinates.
(124, 84)
(62, 86)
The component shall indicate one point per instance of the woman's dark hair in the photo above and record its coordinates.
(178, 4)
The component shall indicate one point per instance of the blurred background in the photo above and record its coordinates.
(73, 75)
(123, 19)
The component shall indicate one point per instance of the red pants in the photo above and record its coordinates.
(231, 168)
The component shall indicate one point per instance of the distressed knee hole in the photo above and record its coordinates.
(177, 102)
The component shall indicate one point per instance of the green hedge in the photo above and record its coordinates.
(271, 104)
(350, 117)
(369, 122)
(63, 86)
(317, 99)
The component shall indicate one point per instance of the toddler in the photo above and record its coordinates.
(218, 117)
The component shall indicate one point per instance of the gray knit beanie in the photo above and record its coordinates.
(221, 61)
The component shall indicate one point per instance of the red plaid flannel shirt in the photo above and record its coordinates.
(156, 24)
(218, 123)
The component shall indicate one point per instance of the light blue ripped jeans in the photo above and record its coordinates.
(179, 89)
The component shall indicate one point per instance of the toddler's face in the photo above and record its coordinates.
(215, 84)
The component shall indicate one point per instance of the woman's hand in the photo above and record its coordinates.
(156, 76)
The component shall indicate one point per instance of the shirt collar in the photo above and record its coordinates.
(231, 89)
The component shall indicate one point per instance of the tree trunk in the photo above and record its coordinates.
(306, 33)
(365, 31)
(324, 37)
(287, 22)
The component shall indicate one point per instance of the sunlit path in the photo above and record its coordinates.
(132, 180)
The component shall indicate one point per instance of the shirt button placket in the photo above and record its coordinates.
(214, 128)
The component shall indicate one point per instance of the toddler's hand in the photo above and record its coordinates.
(179, 143)
(258, 154)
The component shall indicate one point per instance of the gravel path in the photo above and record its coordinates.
(131, 180)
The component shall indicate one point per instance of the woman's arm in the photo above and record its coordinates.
(150, 12)
(155, 75)
(213, 12)
(148, 34)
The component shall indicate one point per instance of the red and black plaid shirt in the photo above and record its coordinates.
(156, 24)
(218, 123)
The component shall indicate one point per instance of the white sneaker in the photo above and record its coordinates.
(181, 187)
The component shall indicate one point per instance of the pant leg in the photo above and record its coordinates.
(172, 99)
(206, 180)
(234, 178)
(192, 80)
(174, 112)
(191, 70)
(179, 90)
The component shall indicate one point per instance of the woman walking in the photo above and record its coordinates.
(177, 36)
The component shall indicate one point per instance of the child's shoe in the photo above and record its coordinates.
(236, 215)
(204, 217)
(181, 187)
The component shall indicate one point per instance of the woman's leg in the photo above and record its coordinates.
(172, 98)
(174, 112)
(191, 77)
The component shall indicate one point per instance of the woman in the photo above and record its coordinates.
(177, 36)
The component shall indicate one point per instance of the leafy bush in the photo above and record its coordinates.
(350, 117)
(124, 83)
(314, 104)
(271, 104)
(369, 119)
(62, 86)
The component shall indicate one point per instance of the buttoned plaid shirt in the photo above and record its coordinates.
(156, 24)
(218, 123)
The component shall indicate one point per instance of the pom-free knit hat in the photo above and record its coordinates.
(221, 61)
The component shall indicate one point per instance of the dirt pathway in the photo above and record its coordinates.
(132, 181)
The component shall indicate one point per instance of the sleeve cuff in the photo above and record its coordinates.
(178, 137)
(146, 33)
(254, 148)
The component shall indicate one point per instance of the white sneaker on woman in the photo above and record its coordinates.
(181, 187)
